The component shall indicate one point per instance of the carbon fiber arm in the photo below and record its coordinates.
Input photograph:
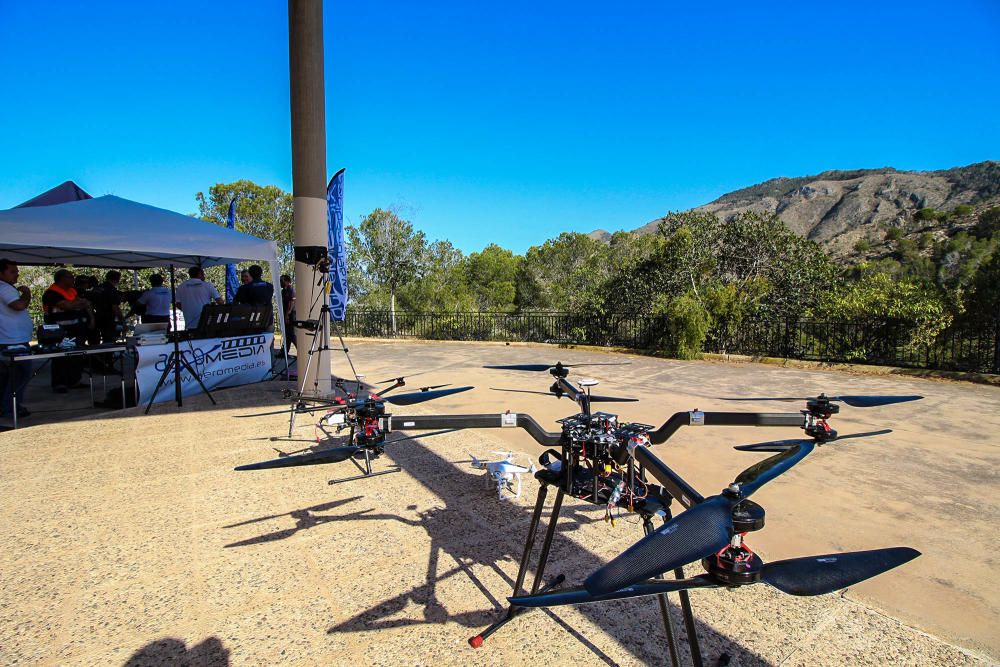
(671, 482)
(495, 420)
(697, 418)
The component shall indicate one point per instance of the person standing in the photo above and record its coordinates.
(259, 292)
(194, 294)
(156, 300)
(288, 308)
(16, 328)
(62, 305)
(107, 299)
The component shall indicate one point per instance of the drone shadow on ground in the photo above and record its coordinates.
(465, 531)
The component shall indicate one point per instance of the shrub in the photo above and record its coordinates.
(863, 245)
(930, 214)
(963, 209)
(894, 233)
(687, 324)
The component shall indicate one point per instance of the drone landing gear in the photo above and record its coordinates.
(536, 587)
(366, 471)
(522, 570)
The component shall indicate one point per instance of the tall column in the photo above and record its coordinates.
(305, 58)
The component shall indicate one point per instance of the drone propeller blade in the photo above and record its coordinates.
(412, 375)
(333, 455)
(580, 595)
(874, 401)
(866, 434)
(434, 386)
(784, 445)
(612, 399)
(298, 411)
(816, 575)
(689, 536)
(521, 367)
(765, 398)
(772, 446)
(421, 396)
(544, 367)
(763, 472)
(853, 401)
(525, 391)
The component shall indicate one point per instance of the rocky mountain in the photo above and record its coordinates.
(850, 212)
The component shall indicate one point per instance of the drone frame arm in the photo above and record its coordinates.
(698, 418)
(574, 393)
(671, 482)
(398, 383)
(495, 420)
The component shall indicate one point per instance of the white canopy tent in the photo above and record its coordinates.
(114, 232)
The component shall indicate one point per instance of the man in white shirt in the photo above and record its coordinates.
(16, 328)
(194, 294)
(156, 300)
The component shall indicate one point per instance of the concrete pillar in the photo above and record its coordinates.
(305, 59)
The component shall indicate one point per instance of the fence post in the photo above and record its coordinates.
(996, 346)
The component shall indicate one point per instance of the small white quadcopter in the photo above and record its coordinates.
(504, 474)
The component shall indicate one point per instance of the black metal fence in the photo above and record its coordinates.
(966, 346)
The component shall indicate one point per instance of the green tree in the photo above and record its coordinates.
(442, 286)
(492, 278)
(264, 211)
(556, 275)
(386, 253)
(880, 295)
(988, 223)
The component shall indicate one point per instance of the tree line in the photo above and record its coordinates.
(699, 272)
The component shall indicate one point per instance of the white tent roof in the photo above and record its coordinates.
(116, 232)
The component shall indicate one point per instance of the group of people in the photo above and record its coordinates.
(91, 312)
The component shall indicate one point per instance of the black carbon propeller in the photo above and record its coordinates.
(698, 532)
(782, 445)
(425, 394)
(332, 455)
(299, 410)
(593, 398)
(544, 367)
(855, 401)
(808, 575)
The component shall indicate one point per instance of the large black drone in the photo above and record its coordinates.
(361, 412)
(606, 461)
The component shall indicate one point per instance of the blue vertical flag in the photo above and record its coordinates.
(232, 278)
(337, 249)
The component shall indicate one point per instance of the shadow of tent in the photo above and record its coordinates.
(474, 529)
(172, 651)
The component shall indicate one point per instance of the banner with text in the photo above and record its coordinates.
(219, 362)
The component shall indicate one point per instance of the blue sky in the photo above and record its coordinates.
(506, 122)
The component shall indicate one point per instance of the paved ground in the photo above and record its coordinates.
(129, 540)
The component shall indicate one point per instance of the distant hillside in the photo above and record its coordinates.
(837, 209)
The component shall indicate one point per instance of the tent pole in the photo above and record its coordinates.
(177, 345)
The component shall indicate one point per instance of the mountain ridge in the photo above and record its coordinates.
(845, 210)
